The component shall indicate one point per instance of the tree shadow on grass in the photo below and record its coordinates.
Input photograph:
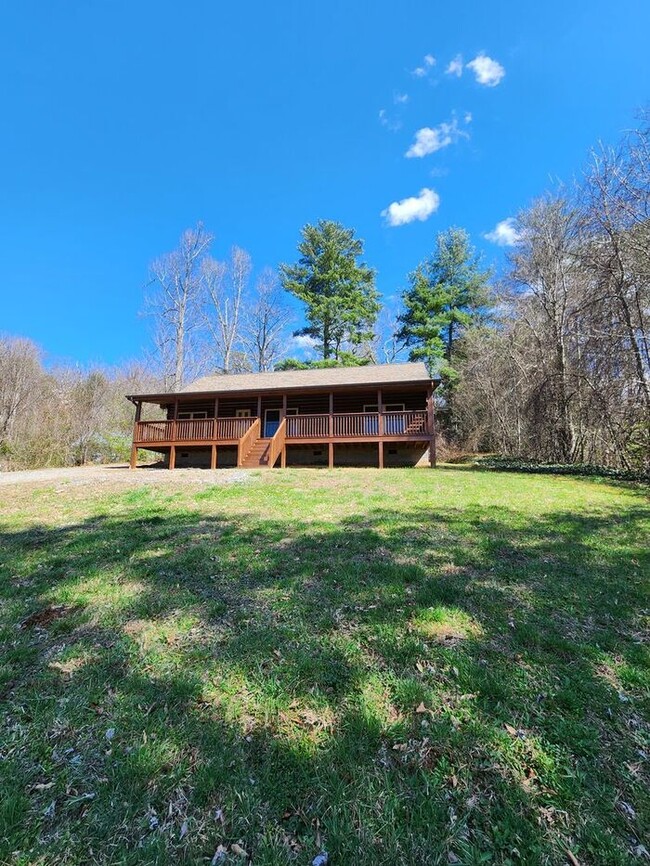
(409, 686)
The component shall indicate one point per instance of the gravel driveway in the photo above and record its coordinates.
(121, 475)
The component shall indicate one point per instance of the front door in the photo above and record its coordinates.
(271, 422)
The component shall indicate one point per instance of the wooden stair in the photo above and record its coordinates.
(257, 457)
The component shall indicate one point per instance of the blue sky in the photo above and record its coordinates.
(124, 123)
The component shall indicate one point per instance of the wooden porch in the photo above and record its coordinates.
(245, 433)
(299, 416)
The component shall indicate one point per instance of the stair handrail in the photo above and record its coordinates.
(245, 444)
(277, 443)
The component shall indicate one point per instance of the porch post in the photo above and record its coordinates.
(330, 444)
(284, 405)
(380, 421)
(431, 423)
(216, 415)
(172, 457)
(283, 457)
(380, 446)
(174, 424)
(134, 450)
(213, 457)
(259, 408)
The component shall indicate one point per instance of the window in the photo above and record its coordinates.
(387, 407)
(186, 416)
(242, 413)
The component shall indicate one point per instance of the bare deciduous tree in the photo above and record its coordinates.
(175, 303)
(265, 323)
(224, 286)
(565, 376)
(20, 370)
(616, 203)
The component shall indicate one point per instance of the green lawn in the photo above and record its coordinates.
(398, 667)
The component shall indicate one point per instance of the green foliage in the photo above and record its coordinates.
(585, 470)
(447, 295)
(345, 359)
(337, 289)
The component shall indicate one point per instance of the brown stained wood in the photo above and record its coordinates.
(134, 457)
(431, 424)
(312, 425)
(213, 457)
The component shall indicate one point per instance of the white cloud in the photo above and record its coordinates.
(428, 140)
(389, 122)
(417, 207)
(400, 98)
(468, 117)
(504, 233)
(487, 71)
(455, 66)
(304, 341)
(428, 61)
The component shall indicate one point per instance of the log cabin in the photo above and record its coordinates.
(376, 415)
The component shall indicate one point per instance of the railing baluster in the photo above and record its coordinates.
(348, 425)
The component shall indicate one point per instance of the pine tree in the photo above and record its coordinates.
(447, 295)
(337, 289)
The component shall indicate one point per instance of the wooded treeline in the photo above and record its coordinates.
(63, 415)
(548, 360)
(563, 373)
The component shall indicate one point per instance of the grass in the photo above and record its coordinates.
(398, 667)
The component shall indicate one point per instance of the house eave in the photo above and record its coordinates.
(192, 396)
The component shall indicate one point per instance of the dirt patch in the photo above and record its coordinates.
(47, 615)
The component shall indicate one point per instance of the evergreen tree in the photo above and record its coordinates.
(337, 289)
(446, 296)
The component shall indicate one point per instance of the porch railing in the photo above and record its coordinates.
(358, 425)
(277, 443)
(349, 425)
(194, 430)
(308, 426)
(231, 428)
(247, 440)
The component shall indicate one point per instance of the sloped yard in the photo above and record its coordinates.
(398, 667)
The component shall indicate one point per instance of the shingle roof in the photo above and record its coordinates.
(372, 374)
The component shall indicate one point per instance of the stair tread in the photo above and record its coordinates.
(256, 454)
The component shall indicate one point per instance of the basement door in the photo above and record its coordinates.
(271, 422)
